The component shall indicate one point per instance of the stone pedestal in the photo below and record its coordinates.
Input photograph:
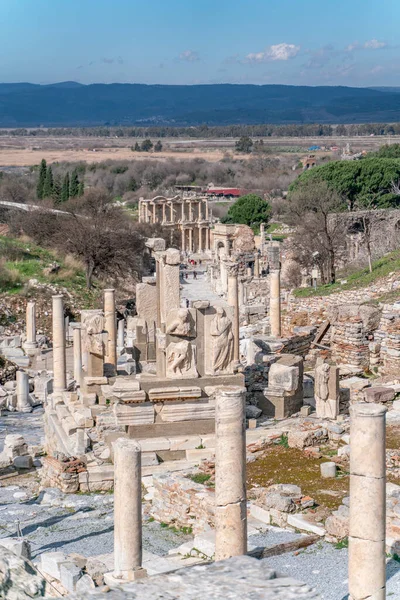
(30, 345)
(23, 404)
(230, 473)
(110, 325)
(127, 513)
(77, 342)
(367, 556)
(59, 360)
(275, 303)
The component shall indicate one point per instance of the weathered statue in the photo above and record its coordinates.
(181, 325)
(326, 391)
(223, 347)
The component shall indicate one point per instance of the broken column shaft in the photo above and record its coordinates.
(230, 473)
(59, 359)
(23, 404)
(77, 341)
(127, 511)
(275, 302)
(367, 558)
(111, 327)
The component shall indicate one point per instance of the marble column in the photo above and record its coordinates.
(233, 300)
(200, 239)
(30, 345)
(367, 554)
(163, 213)
(275, 302)
(230, 473)
(59, 359)
(121, 335)
(256, 265)
(23, 404)
(241, 293)
(127, 512)
(183, 240)
(262, 237)
(77, 342)
(190, 239)
(207, 215)
(154, 213)
(110, 326)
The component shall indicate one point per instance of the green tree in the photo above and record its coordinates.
(57, 190)
(244, 144)
(249, 210)
(133, 185)
(81, 188)
(388, 151)
(146, 145)
(137, 147)
(356, 181)
(158, 146)
(65, 188)
(74, 185)
(48, 184)
(42, 179)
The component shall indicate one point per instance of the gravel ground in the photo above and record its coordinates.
(30, 425)
(325, 568)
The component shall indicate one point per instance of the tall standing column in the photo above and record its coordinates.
(200, 239)
(77, 341)
(190, 239)
(275, 302)
(110, 326)
(367, 556)
(230, 473)
(30, 346)
(127, 512)
(256, 265)
(233, 300)
(23, 404)
(59, 359)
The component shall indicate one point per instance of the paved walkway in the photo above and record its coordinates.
(199, 289)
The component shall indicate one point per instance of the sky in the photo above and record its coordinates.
(296, 42)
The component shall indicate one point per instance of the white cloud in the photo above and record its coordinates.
(189, 56)
(275, 52)
(375, 44)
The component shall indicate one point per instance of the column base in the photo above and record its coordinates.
(25, 409)
(31, 348)
(128, 576)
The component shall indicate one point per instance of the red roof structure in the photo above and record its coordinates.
(219, 191)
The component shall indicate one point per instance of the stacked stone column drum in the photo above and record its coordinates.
(30, 345)
(230, 473)
(275, 290)
(23, 404)
(59, 359)
(110, 319)
(367, 557)
(127, 511)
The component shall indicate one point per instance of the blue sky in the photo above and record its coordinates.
(300, 42)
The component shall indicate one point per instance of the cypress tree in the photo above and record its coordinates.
(137, 147)
(65, 188)
(81, 188)
(48, 184)
(74, 184)
(57, 190)
(42, 179)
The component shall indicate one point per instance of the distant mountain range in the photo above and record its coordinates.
(73, 104)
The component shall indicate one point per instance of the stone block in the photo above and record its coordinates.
(23, 462)
(305, 410)
(252, 423)
(285, 377)
(301, 522)
(70, 574)
(84, 584)
(125, 384)
(328, 469)
(185, 442)
(132, 414)
(50, 563)
(21, 548)
(185, 411)
(154, 444)
(379, 394)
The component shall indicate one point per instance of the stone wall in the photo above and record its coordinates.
(388, 335)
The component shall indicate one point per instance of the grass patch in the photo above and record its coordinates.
(344, 543)
(359, 279)
(283, 441)
(200, 478)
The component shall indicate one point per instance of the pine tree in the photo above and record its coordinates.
(48, 184)
(57, 190)
(137, 147)
(158, 146)
(81, 188)
(65, 188)
(42, 179)
(74, 184)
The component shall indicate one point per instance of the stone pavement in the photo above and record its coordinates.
(199, 289)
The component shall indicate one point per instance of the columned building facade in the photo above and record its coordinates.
(190, 216)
